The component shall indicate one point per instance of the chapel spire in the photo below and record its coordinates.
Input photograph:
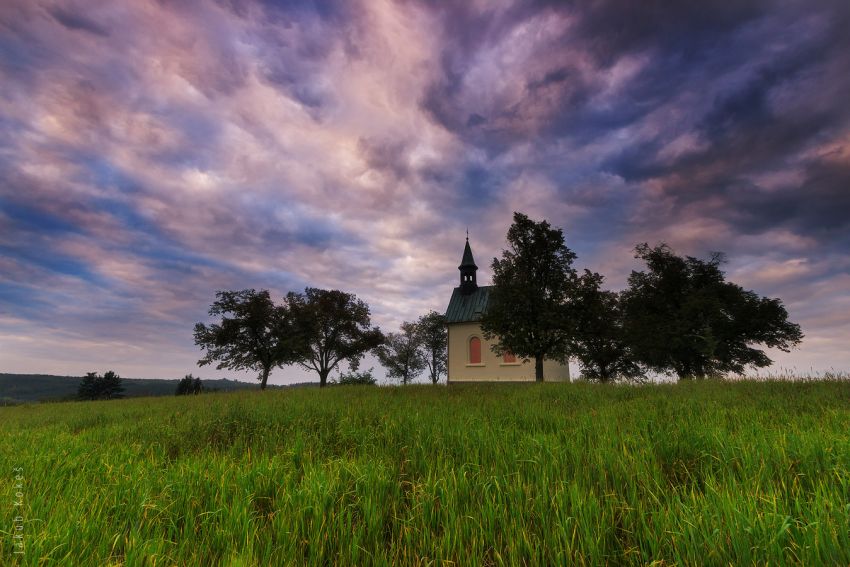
(467, 269)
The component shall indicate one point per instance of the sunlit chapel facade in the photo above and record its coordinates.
(470, 356)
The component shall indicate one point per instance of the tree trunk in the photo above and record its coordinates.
(323, 378)
(538, 368)
(434, 377)
(266, 372)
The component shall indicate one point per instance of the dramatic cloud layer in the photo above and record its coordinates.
(152, 153)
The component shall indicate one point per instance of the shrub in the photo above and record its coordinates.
(364, 378)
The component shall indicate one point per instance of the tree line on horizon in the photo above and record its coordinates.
(109, 386)
(318, 330)
(679, 317)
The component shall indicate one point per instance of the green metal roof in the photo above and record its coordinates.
(464, 308)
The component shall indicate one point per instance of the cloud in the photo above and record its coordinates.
(152, 153)
(75, 21)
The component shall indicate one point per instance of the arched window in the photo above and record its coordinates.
(475, 350)
(509, 357)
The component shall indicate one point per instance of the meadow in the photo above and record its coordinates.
(696, 473)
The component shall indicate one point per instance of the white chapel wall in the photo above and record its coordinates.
(492, 367)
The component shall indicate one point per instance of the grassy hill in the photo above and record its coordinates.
(16, 388)
(702, 473)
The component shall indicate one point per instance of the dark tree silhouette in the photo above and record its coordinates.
(681, 316)
(598, 339)
(189, 385)
(531, 290)
(254, 334)
(95, 387)
(335, 326)
(88, 389)
(401, 355)
(111, 387)
(433, 340)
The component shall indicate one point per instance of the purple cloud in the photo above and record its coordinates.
(153, 153)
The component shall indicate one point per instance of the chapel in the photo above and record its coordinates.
(470, 356)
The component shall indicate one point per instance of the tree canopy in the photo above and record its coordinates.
(433, 340)
(530, 298)
(598, 339)
(96, 387)
(401, 355)
(335, 326)
(189, 385)
(254, 334)
(681, 316)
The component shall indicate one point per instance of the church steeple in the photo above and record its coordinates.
(467, 269)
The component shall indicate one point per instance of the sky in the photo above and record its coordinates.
(154, 152)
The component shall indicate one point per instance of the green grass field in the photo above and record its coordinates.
(701, 473)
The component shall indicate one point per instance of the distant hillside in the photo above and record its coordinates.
(17, 388)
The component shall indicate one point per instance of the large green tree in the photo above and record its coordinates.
(530, 298)
(336, 327)
(598, 339)
(433, 340)
(682, 316)
(401, 355)
(254, 334)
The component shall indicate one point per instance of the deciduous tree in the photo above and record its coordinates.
(597, 338)
(682, 316)
(254, 334)
(433, 339)
(401, 355)
(336, 327)
(531, 290)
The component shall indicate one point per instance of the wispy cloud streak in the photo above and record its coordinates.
(154, 152)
